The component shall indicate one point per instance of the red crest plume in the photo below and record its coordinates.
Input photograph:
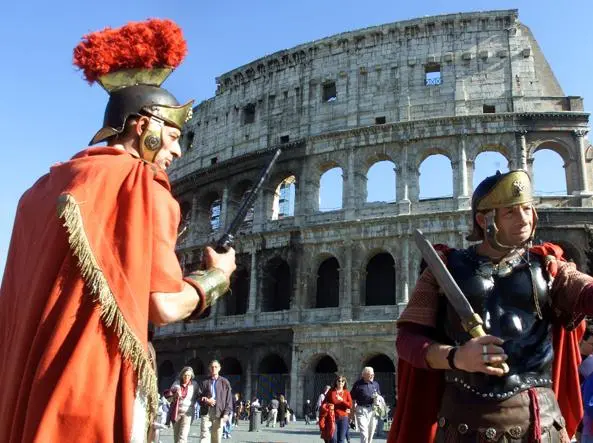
(155, 43)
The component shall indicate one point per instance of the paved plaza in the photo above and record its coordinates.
(293, 433)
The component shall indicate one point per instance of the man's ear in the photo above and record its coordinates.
(481, 220)
(141, 125)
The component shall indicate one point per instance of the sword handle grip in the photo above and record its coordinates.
(478, 331)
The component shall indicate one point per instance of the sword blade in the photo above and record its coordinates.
(442, 275)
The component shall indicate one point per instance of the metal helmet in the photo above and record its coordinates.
(499, 191)
(131, 63)
(141, 99)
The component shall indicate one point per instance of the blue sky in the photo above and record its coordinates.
(49, 112)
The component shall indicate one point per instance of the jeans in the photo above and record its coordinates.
(228, 426)
(342, 424)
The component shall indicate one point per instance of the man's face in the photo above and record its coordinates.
(515, 224)
(170, 148)
(368, 376)
(586, 346)
(214, 369)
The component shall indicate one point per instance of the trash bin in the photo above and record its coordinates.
(255, 420)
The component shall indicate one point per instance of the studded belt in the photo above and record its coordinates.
(496, 388)
(465, 417)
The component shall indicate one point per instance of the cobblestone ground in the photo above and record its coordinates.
(293, 433)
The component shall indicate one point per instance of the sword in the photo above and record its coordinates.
(227, 240)
(470, 320)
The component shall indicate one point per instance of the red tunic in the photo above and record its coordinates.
(91, 240)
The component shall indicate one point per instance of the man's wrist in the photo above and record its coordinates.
(210, 284)
(451, 357)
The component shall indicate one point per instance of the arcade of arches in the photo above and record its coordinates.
(264, 363)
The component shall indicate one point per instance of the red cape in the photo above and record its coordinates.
(74, 300)
(420, 390)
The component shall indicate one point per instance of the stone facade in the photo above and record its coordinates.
(456, 85)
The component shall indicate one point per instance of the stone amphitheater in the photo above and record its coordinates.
(318, 291)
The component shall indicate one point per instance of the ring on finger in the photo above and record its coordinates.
(484, 349)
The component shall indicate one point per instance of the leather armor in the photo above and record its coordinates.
(513, 299)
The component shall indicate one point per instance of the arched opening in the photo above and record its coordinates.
(380, 280)
(384, 375)
(231, 369)
(326, 365)
(548, 174)
(486, 164)
(237, 301)
(322, 372)
(330, 190)
(215, 213)
(166, 375)
(381, 182)
(436, 177)
(198, 367)
(273, 378)
(284, 199)
(328, 284)
(276, 286)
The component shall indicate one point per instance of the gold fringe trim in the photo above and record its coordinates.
(129, 346)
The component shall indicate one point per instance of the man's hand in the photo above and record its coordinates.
(482, 354)
(225, 262)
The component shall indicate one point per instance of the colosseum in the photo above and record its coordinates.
(318, 290)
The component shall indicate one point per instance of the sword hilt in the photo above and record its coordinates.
(474, 327)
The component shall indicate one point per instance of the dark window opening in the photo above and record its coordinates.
(233, 372)
(189, 140)
(272, 379)
(213, 160)
(249, 114)
(328, 284)
(277, 286)
(237, 299)
(273, 364)
(432, 74)
(380, 120)
(197, 366)
(285, 95)
(329, 92)
(284, 138)
(489, 109)
(380, 281)
(326, 365)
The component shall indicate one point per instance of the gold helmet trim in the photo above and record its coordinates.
(514, 188)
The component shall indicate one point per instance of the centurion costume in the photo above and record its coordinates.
(529, 299)
(99, 230)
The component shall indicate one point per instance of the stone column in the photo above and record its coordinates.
(522, 149)
(194, 216)
(247, 394)
(224, 205)
(346, 277)
(404, 267)
(355, 186)
(252, 305)
(583, 173)
(401, 172)
(293, 395)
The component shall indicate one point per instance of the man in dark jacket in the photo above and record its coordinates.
(216, 404)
